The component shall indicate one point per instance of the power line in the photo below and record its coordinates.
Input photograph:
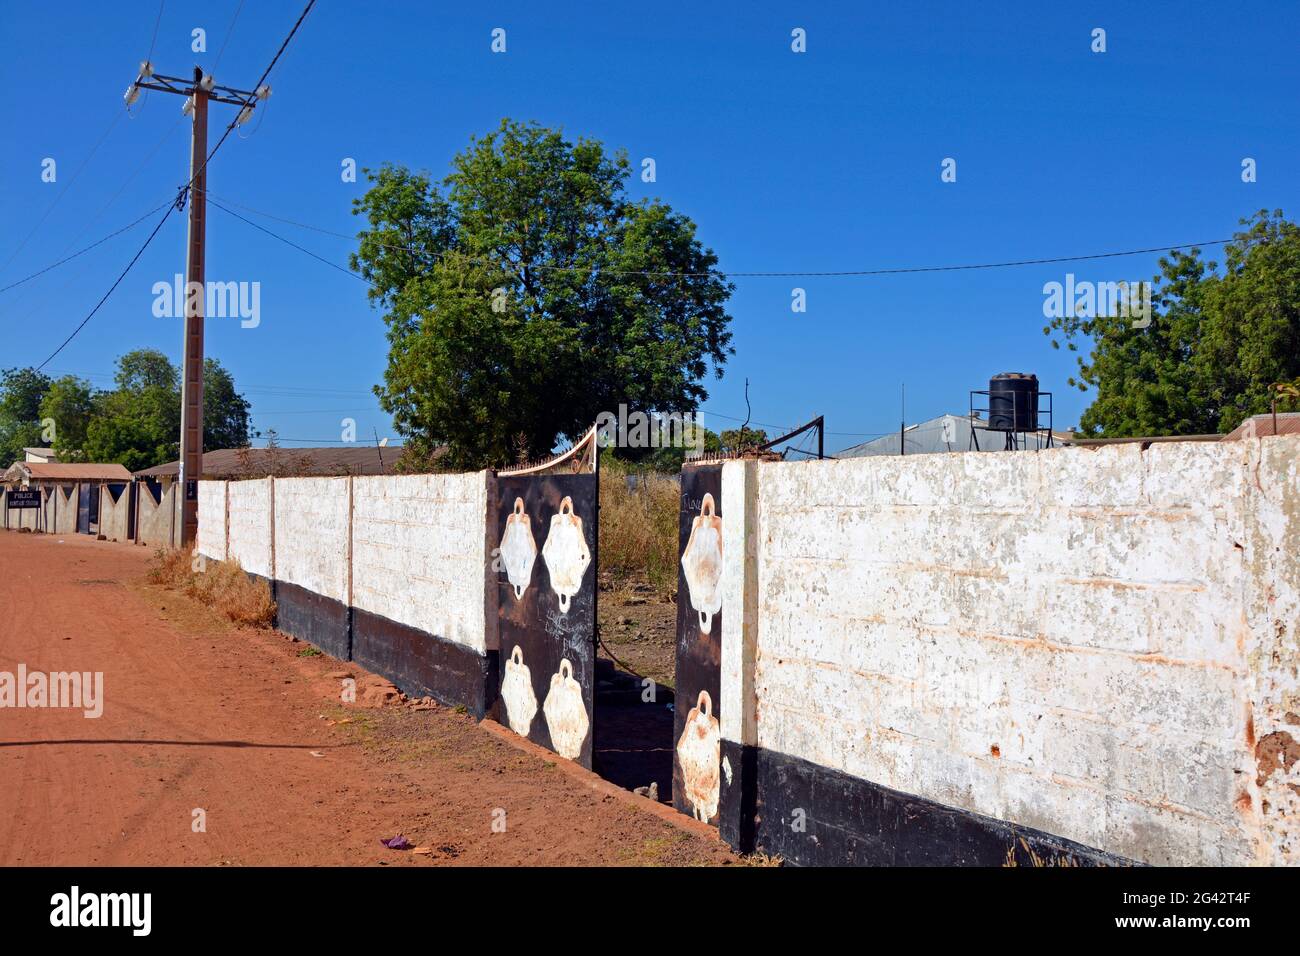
(62, 192)
(287, 242)
(117, 116)
(184, 189)
(156, 22)
(229, 31)
(99, 242)
(105, 296)
(737, 274)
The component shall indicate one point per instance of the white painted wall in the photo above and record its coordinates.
(1089, 642)
(210, 538)
(248, 511)
(311, 534)
(419, 552)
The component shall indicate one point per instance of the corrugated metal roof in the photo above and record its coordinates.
(1258, 426)
(259, 462)
(66, 471)
(943, 434)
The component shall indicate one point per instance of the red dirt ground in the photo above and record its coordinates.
(199, 714)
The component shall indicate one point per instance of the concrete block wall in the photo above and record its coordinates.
(250, 513)
(312, 535)
(419, 553)
(65, 510)
(210, 538)
(390, 571)
(113, 515)
(156, 522)
(1099, 645)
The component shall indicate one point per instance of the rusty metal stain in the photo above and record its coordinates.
(1275, 751)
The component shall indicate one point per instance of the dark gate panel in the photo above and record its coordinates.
(83, 508)
(696, 729)
(546, 609)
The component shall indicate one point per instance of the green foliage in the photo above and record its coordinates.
(136, 424)
(743, 438)
(517, 302)
(1217, 344)
(21, 392)
(70, 404)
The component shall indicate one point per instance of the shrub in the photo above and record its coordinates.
(638, 529)
(222, 585)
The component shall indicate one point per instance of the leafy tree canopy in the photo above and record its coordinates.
(21, 392)
(526, 293)
(1218, 343)
(136, 424)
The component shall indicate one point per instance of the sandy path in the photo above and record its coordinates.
(199, 715)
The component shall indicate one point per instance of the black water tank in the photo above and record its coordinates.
(1013, 402)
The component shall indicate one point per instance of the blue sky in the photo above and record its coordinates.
(827, 160)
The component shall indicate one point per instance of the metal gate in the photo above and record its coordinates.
(546, 525)
(696, 730)
(83, 508)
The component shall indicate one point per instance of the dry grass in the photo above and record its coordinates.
(638, 530)
(222, 585)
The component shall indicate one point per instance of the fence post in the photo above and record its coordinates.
(737, 804)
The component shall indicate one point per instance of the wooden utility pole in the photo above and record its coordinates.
(191, 468)
(199, 91)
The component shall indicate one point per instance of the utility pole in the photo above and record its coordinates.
(198, 92)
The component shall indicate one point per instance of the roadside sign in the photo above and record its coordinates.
(23, 498)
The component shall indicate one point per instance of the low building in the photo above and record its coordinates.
(40, 455)
(90, 498)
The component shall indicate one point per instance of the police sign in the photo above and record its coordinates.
(23, 498)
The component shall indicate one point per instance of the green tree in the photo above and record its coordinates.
(70, 404)
(225, 411)
(1217, 344)
(137, 424)
(527, 293)
(743, 438)
(21, 393)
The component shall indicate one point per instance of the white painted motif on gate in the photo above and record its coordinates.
(566, 714)
(517, 693)
(566, 553)
(518, 549)
(702, 563)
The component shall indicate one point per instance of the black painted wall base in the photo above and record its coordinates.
(813, 816)
(422, 664)
(319, 620)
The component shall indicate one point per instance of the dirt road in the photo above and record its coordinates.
(246, 727)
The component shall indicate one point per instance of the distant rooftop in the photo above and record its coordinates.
(946, 433)
(1258, 426)
(66, 471)
(260, 462)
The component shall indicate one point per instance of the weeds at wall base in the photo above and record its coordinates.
(223, 586)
